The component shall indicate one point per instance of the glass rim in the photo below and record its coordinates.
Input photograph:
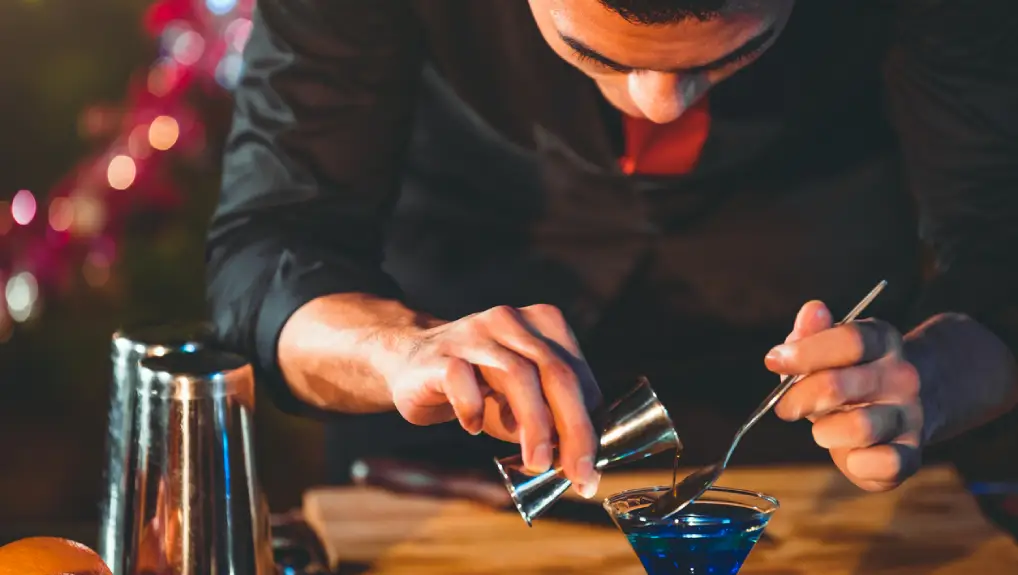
(771, 503)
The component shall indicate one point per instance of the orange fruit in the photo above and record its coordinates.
(50, 556)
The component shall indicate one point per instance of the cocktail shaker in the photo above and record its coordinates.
(129, 347)
(192, 504)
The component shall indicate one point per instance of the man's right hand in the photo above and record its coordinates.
(516, 374)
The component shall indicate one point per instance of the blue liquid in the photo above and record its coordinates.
(707, 539)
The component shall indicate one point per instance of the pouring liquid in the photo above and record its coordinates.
(675, 470)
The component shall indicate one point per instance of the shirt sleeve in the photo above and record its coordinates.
(952, 79)
(322, 117)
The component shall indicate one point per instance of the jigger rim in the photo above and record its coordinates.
(512, 492)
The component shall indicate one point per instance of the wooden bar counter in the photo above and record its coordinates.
(929, 526)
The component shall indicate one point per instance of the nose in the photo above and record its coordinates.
(661, 97)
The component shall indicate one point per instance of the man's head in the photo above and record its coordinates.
(655, 58)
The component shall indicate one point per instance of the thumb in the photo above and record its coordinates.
(813, 317)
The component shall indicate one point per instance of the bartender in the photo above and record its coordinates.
(444, 221)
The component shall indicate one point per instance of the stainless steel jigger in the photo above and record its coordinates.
(130, 346)
(195, 505)
(637, 426)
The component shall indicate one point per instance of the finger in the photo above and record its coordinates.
(548, 321)
(840, 456)
(879, 339)
(827, 390)
(562, 389)
(517, 379)
(813, 317)
(459, 383)
(499, 419)
(882, 467)
(419, 393)
(841, 346)
(861, 427)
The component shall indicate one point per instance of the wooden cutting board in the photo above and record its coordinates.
(929, 526)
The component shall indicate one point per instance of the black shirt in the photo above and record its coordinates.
(439, 152)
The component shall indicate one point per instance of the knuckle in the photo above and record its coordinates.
(560, 374)
(867, 381)
(548, 311)
(869, 426)
(451, 368)
(908, 378)
(469, 328)
(833, 385)
(876, 338)
(501, 314)
(519, 370)
(446, 368)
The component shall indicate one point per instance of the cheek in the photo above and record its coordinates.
(614, 85)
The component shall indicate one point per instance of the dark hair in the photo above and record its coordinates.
(665, 11)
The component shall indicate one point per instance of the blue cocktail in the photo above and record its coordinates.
(713, 536)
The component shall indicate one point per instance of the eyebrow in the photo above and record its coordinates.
(749, 47)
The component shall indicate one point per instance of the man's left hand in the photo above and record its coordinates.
(860, 393)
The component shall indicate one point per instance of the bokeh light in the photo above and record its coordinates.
(228, 71)
(187, 47)
(162, 77)
(89, 215)
(23, 207)
(237, 33)
(61, 214)
(22, 292)
(121, 172)
(220, 7)
(163, 133)
(191, 42)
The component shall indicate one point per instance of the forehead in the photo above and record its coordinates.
(641, 45)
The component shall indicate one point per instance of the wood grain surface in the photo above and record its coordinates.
(825, 525)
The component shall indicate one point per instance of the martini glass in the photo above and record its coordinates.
(711, 536)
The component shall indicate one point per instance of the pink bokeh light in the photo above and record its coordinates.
(23, 207)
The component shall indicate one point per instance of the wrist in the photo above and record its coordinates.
(967, 375)
(339, 352)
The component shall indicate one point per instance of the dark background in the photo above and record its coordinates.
(58, 57)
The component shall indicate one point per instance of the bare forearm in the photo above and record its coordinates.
(334, 349)
(968, 376)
